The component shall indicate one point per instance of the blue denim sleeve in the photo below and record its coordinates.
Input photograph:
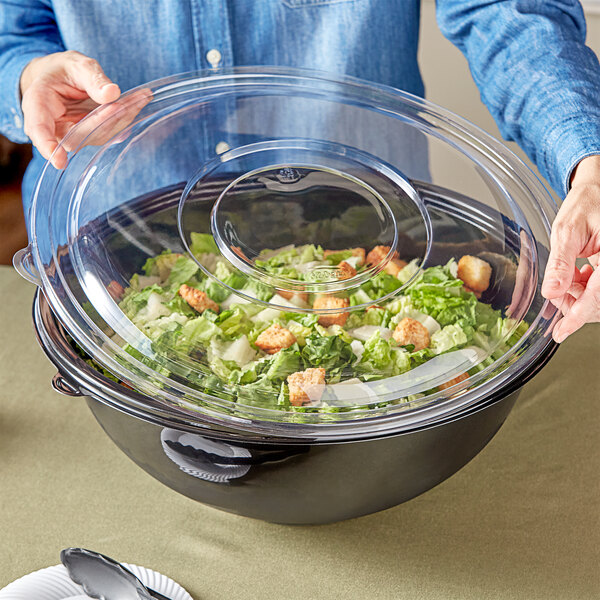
(535, 74)
(27, 30)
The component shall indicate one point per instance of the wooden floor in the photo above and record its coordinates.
(13, 160)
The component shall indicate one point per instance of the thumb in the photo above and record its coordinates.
(559, 271)
(87, 74)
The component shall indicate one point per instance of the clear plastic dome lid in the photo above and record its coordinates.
(300, 220)
(283, 246)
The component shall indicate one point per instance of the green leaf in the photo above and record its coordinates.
(234, 322)
(161, 265)
(171, 323)
(360, 297)
(179, 305)
(299, 331)
(182, 271)
(400, 360)
(378, 352)
(203, 243)
(235, 280)
(283, 400)
(245, 375)
(309, 253)
(328, 352)
(448, 338)
(263, 393)
(338, 257)
(260, 290)
(134, 301)
(384, 283)
(355, 320)
(215, 290)
(485, 316)
(197, 331)
(284, 363)
(420, 356)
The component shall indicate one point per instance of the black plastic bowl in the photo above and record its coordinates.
(282, 479)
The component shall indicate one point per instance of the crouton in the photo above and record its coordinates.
(378, 254)
(274, 339)
(306, 386)
(288, 295)
(237, 250)
(345, 270)
(115, 289)
(457, 379)
(474, 272)
(197, 299)
(328, 319)
(395, 266)
(358, 252)
(468, 289)
(409, 331)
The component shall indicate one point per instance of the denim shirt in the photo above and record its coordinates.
(528, 57)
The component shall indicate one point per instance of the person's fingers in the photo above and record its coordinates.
(564, 250)
(42, 134)
(63, 127)
(108, 120)
(59, 158)
(88, 126)
(41, 109)
(130, 111)
(567, 304)
(86, 73)
(585, 273)
(576, 290)
(556, 331)
(557, 302)
(548, 310)
(586, 309)
(75, 111)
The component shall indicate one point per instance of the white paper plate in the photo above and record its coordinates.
(53, 583)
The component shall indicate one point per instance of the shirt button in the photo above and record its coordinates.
(213, 57)
(221, 147)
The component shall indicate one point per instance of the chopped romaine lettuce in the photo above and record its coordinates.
(228, 364)
(258, 290)
(203, 243)
(331, 352)
(197, 331)
(215, 290)
(448, 338)
(160, 266)
(338, 257)
(299, 331)
(284, 363)
(133, 302)
(182, 271)
(378, 353)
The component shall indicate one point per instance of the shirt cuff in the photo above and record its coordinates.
(11, 115)
(567, 143)
(575, 163)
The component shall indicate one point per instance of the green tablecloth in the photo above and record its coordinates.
(522, 520)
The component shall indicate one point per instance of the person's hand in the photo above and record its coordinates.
(57, 91)
(576, 234)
